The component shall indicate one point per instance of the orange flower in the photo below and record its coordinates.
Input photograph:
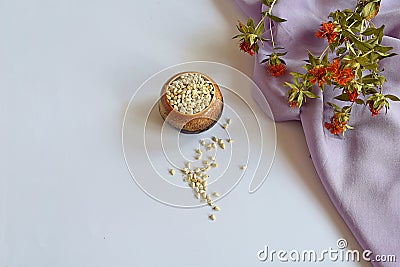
(343, 77)
(318, 74)
(372, 109)
(293, 104)
(352, 95)
(335, 127)
(334, 66)
(327, 31)
(276, 69)
(246, 47)
(340, 76)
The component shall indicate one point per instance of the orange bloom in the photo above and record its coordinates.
(340, 76)
(292, 104)
(352, 95)
(327, 31)
(372, 109)
(343, 77)
(334, 66)
(276, 69)
(335, 127)
(247, 48)
(318, 74)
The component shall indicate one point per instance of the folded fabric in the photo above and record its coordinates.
(361, 171)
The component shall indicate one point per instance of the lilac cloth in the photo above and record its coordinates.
(360, 172)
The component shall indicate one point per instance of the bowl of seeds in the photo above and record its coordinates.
(191, 102)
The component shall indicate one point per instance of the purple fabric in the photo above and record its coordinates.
(360, 172)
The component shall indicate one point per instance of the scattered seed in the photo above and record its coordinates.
(224, 126)
(212, 217)
(228, 120)
(243, 167)
(215, 139)
(204, 195)
(214, 165)
(210, 203)
(188, 164)
(197, 157)
(172, 171)
(215, 194)
(205, 162)
(212, 158)
(216, 208)
(229, 140)
(197, 195)
(202, 142)
(198, 151)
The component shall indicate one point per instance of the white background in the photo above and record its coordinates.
(68, 69)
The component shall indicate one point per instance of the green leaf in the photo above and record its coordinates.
(369, 10)
(281, 54)
(250, 22)
(364, 47)
(275, 18)
(383, 49)
(237, 36)
(392, 97)
(341, 50)
(359, 101)
(369, 31)
(259, 30)
(290, 85)
(310, 94)
(313, 61)
(342, 97)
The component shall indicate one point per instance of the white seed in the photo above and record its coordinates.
(229, 140)
(197, 195)
(172, 171)
(215, 194)
(225, 126)
(187, 165)
(216, 208)
(197, 157)
(210, 203)
(214, 165)
(205, 162)
(202, 142)
(198, 151)
(204, 195)
(243, 167)
(228, 120)
(212, 217)
(215, 139)
(212, 158)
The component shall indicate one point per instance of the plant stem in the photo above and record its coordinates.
(270, 23)
(323, 52)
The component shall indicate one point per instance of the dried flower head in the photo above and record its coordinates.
(327, 31)
(247, 48)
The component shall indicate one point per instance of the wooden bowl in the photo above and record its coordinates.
(191, 123)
